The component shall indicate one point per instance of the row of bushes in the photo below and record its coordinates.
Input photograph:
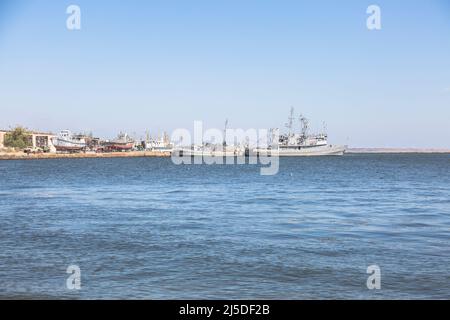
(18, 138)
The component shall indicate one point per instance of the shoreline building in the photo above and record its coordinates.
(36, 140)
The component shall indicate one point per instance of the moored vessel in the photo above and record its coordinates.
(65, 141)
(293, 144)
(123, 142)
(209, 150)
(161, 144)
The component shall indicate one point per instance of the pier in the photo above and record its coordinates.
(38, 156)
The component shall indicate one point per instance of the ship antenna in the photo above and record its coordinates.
(290, 121)
(305, 125)
(225, 133)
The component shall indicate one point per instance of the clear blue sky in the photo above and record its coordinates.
(160, 65)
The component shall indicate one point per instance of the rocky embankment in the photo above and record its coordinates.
(24, 156)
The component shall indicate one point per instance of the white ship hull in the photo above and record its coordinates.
(68, 145)
(303, 152)
(208, 153)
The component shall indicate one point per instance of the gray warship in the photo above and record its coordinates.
(293, 144)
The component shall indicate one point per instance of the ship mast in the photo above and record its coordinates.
(290, 123)
(305, 125)
(225, 133)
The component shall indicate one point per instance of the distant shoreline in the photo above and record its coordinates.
(157, 154)
(396, 150)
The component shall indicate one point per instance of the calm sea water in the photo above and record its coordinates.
(145, 228)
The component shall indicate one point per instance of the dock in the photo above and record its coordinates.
(38, 156)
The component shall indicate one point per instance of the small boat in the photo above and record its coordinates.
(65, 141)
(161, 144)
(122, 143)
(210, 150)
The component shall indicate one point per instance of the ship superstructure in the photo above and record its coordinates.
(65, 141)
(123, 142)
(299, 144)
(161, 144)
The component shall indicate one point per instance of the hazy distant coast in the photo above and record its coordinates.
(133, 154)
(397, 150)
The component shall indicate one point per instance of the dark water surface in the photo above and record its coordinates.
(146, 228)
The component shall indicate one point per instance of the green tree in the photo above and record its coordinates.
(17, 138)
